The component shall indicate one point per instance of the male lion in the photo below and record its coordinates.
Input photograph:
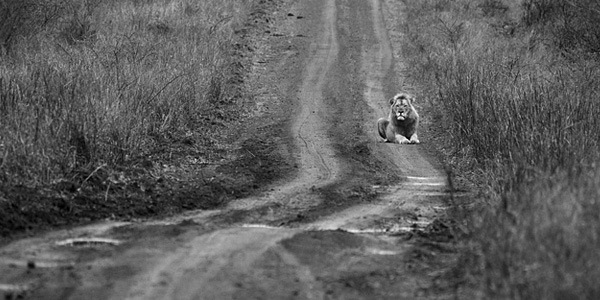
(401, 125)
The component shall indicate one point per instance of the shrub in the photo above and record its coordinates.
(571, 24)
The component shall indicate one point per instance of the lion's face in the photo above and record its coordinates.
(401, 106)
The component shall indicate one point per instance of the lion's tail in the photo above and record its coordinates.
(382, 125)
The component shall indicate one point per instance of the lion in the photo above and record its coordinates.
(402, 123)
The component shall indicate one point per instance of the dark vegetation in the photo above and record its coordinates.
(516, 87)
(125, 109)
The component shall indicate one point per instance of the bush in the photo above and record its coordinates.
(571, 24)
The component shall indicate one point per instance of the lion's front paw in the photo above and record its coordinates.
(402, 140)
(414, 139)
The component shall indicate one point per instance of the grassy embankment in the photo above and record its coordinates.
(91, 88)
(516, 84)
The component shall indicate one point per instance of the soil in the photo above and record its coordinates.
(307, 203)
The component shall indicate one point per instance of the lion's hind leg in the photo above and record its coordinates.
(382, 125)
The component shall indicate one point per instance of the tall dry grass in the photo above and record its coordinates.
(91, 83)
(515, 85)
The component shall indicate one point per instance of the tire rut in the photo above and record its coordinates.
(317, 158)
(318, 164)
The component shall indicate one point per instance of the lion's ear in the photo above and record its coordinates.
(392, 100)
(412, 100)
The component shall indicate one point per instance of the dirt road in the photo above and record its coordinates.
(250, 249)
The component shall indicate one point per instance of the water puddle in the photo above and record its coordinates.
(383, 252)
(88, 242)
(259, 226)
(14, 291)
(44, 264)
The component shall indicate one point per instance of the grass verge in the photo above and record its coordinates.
(125, 109)
(514, 85)
(99, 82)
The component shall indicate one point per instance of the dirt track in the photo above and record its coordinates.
(357, 252)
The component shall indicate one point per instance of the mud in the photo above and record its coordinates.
(350, 223)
